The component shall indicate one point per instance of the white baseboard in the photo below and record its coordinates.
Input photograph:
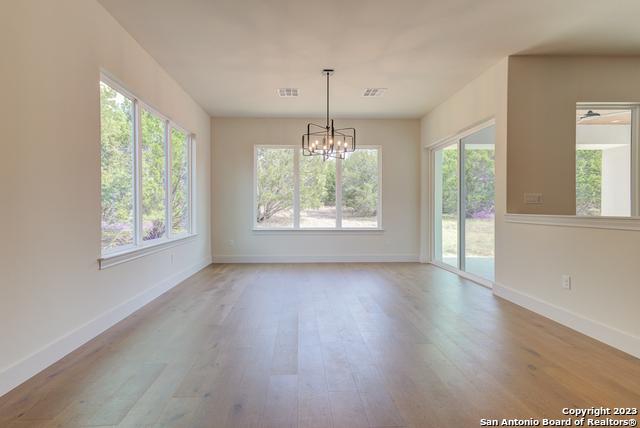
(28, 367)
(364, 258)
(618, 339)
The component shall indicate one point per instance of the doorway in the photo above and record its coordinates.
(464, 203)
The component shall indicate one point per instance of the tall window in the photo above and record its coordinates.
(146, 170)
(180, 182)
(117, 168)
(360, 188)
(300, 192)
(154, 160)
(317, 192)
(274, 172)
(604, 170)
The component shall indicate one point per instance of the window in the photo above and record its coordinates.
(360, 189)
(274, 171)
(304, 192)
(446, 203)
(180, 180)
(317, 192)
(146, 171)
(117, 168)
(154, 210)
(604, 148)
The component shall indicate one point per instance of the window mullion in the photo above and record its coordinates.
(339, 193)
(379, 195)
(296, 188)
(462, 207)
(137, 144)
(191, 179)
(635, 160)
(167, 180)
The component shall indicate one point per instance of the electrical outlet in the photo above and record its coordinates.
(232, 242)
(566, 282)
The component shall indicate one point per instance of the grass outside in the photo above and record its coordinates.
(479, 236)
(318, 218)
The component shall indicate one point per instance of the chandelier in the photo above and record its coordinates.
(327, 141)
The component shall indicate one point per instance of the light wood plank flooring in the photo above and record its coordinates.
(353, 345)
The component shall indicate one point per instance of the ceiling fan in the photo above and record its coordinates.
(589, 115)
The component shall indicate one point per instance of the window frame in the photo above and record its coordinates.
(634, 186)
(140, 247)
(456, 139)
(297, 155)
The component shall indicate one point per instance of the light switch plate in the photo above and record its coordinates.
(533, 198)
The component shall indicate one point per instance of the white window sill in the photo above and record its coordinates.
(119, 257)
(321, 231)
(614, 223)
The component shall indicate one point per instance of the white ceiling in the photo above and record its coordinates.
(232, 55)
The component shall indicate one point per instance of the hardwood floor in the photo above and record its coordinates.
(353, 345)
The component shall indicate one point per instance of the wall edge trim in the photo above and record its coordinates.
(612, 223)
(354, 258)
(621, 340)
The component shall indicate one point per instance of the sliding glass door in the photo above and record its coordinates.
(464, 203)
(446, 201)
(479, 203)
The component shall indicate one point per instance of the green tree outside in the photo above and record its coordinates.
(588, 182)
(179, 182)
(116, 158)
(153, 175)
(360, 182)
(274, 169)
(117, 172)
(317, 182)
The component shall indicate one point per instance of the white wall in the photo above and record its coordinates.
(616, 181)
(530, 259)
(482, 99)
(602, 135)
(52, 295)
(615, 143)
(603, 264)
(232, 160)
(543, 92)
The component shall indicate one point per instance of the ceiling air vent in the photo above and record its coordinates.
(374, 92)
(288, 92)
